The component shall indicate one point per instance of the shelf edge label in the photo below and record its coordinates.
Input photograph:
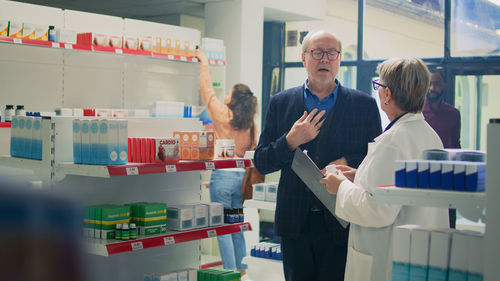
(171, 168)
(68, 46)
(119, 51)
(18, 40)
(55, 45)
(132, 171)
(136, 246)
(170, 240)
(240, 164)
(244, 227)
(212, 233)
(209, 165)
(170, 57)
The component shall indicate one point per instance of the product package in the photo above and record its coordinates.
(15, 29)
(180, 217)
(29, 30)
(150, 218)
(4, 28)
(215, 213)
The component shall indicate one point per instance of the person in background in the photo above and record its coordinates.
(232, 119)
(443, 118)
(402, 88)
(334, 124)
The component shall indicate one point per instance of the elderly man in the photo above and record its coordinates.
(334, 124)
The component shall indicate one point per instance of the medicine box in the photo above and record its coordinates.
(459, 176)
(400, 173)
(110, 216)
(446, 175)
(85, 140)
(439, 254)
(27, 136)
(215, 213)
(180, 217)
(423, 174)
(458, 257)
(401, 252)
(15, 29)
(150, 218)
(77, 141)
(29, 30)
(200, 215)
(95, 148)
(122, 141)
(411, 173)
(36, 142)
(4, 28)
(108, 142)
(475, 177)
(419, 254)
(271, 191)
(41, 33)
(167, 150)
(475, 267)
(259, 191)
(434, 174)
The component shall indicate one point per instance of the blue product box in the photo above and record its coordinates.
(94, 143)
(85, 139)
(411, 173)
(459, 176)
(434, 174)
(28, 136)
(446, 175)
(423, 174)
(36, 143)
(14, 136)
(77, 142)
(399, 171)
(475, 177)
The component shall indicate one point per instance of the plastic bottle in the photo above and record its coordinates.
(118, 231)
(125, 232)
(331, 169)
(133, 231)
(20, 110)
(52, 33)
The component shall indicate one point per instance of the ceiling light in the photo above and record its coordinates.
(498, 31)
(496, 2)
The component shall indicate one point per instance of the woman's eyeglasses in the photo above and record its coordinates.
(377, 85)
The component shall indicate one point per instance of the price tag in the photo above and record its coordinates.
(183, 58)
(170, 57)
(171, 168)
(209, 165)
(68, 46)
(132, 171)
(169, 240)
(194, 59)
(211, 62)
(18, 40)
(244, 227)
(240, 164)
(119, 51)
(219, 62)
(55, 45)
(137, 246)
(212, 233)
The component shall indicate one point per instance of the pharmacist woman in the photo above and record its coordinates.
(402, 88)
(232, 119)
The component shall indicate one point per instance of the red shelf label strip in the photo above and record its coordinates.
(158, 241)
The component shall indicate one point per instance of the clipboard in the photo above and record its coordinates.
(309, 173)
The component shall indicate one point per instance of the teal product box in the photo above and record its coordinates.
(447, 175)
(459, 176)
(21, 138)
(439, 254)
(259, 191)
(419, 254)
(85, 140)
(215, 213)
(95, 149)
(271, 191)
(401, 238)
(28, 136)
(475, 267)
(77, 142)
(36, 142)
(180, 217)
(434, 175)
(122, 141)
(400, 173)
(411, 173)
(14, 136)
(108, 140)
(458, 257)
(475, 177)
(423, 174)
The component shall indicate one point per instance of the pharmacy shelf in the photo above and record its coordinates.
(21, 163)
(4, 124)
(261, 205)
(106, 248)
(134, 169)
(470, 204)
(92, 48)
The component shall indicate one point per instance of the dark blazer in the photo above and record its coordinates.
(351, 124)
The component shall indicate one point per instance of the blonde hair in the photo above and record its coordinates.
(408, 79)
(305, 42)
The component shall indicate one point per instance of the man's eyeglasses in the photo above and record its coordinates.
(377, 85)
(319, 54)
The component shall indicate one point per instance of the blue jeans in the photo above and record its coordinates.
(225, 188)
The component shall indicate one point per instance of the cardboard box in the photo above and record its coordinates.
(434, 174)
(4, 28)
(149, 217)
(77, 142)
(411, 173)
(29, 30)
(459, 176)
(41, 33)
(271, 191)
(401, 244)
(146, 43)
(167, 150)
(110, 216)
(439, 254)
(115, 41)
(475, 264)
(122, 141)
(458, 257)
(180, 217)
(215, 213)
(131, 43)
(475, 177)
(259, 191)
(15, 29)
(28, 136)
(423, 174)
(400, 173)
(446, 175)
(419, 254)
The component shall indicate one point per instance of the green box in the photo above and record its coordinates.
(110, 216)
(150, 218)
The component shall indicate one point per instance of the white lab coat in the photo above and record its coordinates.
(369, 256)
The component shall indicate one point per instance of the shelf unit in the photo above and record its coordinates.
(470, 204)
(106, 248)
(92, 48)
(261, 205)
